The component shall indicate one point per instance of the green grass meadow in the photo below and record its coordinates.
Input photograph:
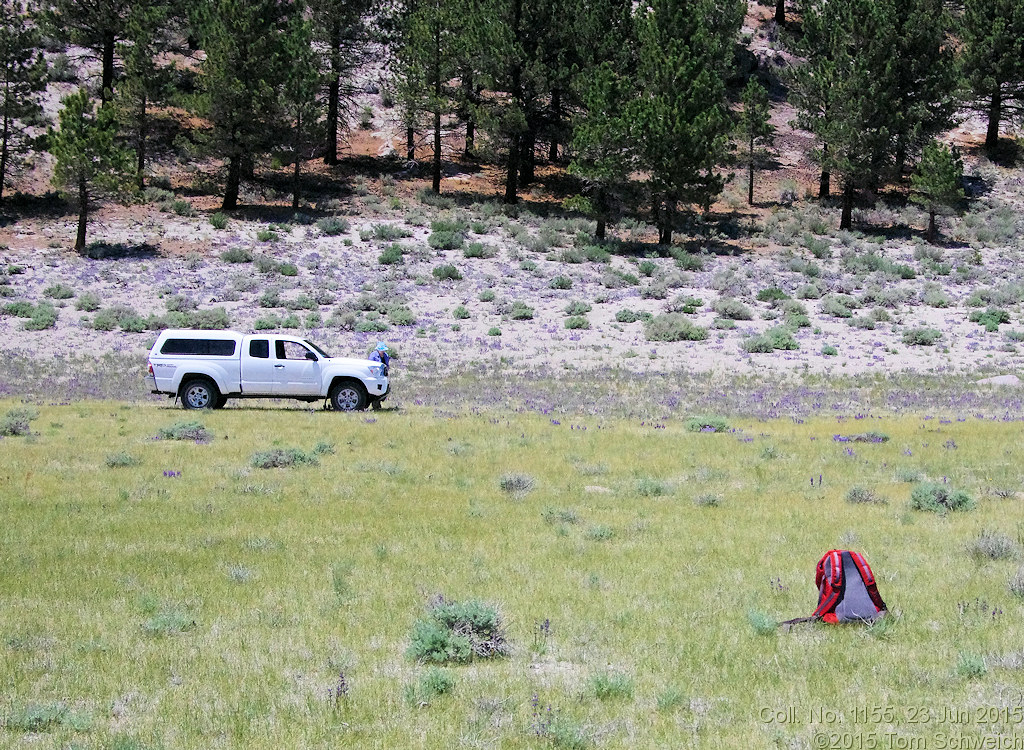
(170, 594)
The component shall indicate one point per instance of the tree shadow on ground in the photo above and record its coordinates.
(120, 251)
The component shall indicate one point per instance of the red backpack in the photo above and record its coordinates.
(847, 591)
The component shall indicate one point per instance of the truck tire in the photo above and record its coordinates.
(348, 395)
(220, 402)
(199, 393)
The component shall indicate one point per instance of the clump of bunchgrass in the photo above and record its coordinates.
(610, 685)
(599, 533)
(651, 487)
(970, 665)
(555, 516)
(121, 460)
(762, 623)
(280, 458)
(458, 632)
(431, 685)
(1016, 583)
(992, 545)
(168, 621)
(939, 498)
(193, 431)
(516, 484)
(707, 500)
(861, 495)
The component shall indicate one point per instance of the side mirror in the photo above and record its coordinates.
(311, 357)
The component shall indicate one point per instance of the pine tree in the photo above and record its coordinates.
(22, 85)
(341, 35)
(683, 122)
(95, 24)
(432, 49)
(89, 160)
(146, 36)
(936, 183)
(992, 59)
(873, 88)
(755, 126)
(240, 80)
(302, 84)
(602, 143)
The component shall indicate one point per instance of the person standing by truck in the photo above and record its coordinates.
(380, 354)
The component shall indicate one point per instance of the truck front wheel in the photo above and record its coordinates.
(199, 393)
(348, 396)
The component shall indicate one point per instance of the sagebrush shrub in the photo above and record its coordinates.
(992, 545)
(193, 431)
(673, 327)
(732, 309)
(939, 498)
(863, 495)
(458, 632)
(332, 226)
(516, 484)
(446, 272)
(16, 422)
(706, 424)
(921, 337)
(283, 457)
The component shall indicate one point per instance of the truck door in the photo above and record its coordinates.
(297, 368)
(258, 373)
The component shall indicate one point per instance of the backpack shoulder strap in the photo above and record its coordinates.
(829, 579)
(869, 580)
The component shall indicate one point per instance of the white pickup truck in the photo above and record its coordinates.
(206, 368)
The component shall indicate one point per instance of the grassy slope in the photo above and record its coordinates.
(294, 575)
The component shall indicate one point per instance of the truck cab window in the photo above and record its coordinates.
(259, 348)
(291, 350)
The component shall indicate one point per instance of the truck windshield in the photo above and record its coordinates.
(317, 348)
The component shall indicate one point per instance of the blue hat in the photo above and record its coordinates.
(381, 346)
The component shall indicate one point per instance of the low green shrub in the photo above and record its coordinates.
(332, 226)
(706, 424)
(59, 291)
(392, 254)
(673, 327)
(577, 322)
(939, 498)
(992, 545)
(278, 458)
(121, 460)
(860, 495)
(921, 337)
(446, 272)
(990, 318)
(560, 282)
(460, 313)
(520, 311)
(236, 255)
(732, 309)
(219, 220)
(192, 431)
(458, 632)
(578, 307)
(17, 422)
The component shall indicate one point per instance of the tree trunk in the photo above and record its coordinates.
(107, 76)
(247, 165)
(83, 213)
(410, 144)
(512, 174)
(435, 184)
(298, 163)
(931, 227)
(601, 202)
(667, 217)
(780, 12)
(333, 98)
(4, 151)
(231, 188)
(750, 174)
(995, 113)
(140, 146)
(824, 183)
(556, 122)
(846, 221)
(528, 144)
(470, 94)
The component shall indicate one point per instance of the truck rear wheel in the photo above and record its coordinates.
(348, 396)
(199, 393)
